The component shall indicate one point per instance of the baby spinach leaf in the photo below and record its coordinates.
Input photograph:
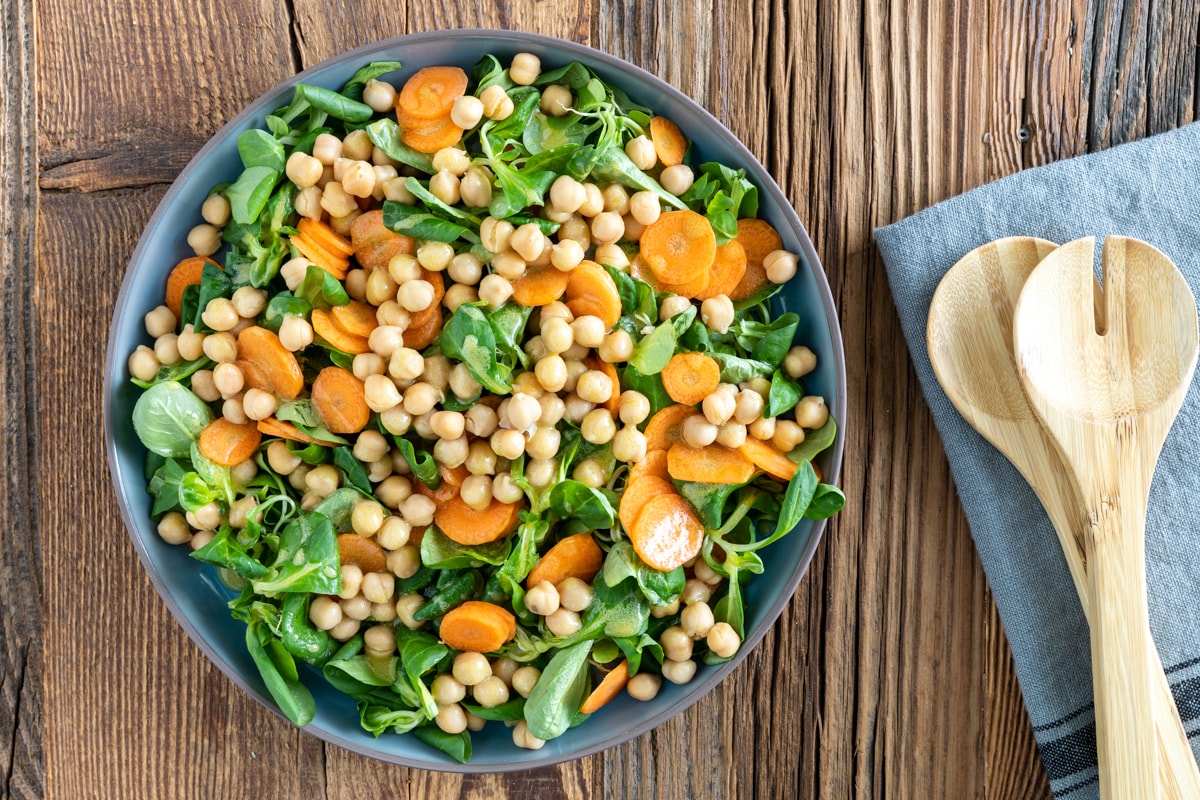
(512, 711)
(764, 294)
(559, 692)
(292, 697)
(258, 148)
(356, 474)
(439, 551)
(421, 463)
(632, 647)
(468, 337)
(651, 354)
(611, 165)
(455, 745)
(378, 720)
(307, 560)
(223, 550)
(592, 507)
(176, 372)
(321, 290)
(783, 396)
(249, 193)
(420, 653)
(167, 418)
(385, 134)
(422, 193)
(301, 414)
(800, 492)
(458, 588)
(815, 442)
(299, 636)
(574, 76)
(353, 88)
(505, 582)
(165, 486)
(419, 223)
(735, 369)
(213, 284)
(769, 341)
(340, 505)
(826, 501)
(194, 493)
(649, 385)
(508, 326)
(333, 103)
(284, 304)
(708, 499)
(637, 296)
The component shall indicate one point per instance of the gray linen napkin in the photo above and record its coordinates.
(1149, 190)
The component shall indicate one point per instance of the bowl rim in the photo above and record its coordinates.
(114, 366)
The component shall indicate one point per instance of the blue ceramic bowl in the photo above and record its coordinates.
(192, 591)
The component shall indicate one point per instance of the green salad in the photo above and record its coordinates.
(472, 396)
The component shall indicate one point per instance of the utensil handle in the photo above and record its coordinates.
(1126, 743)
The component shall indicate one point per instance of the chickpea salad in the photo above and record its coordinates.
(472, 396)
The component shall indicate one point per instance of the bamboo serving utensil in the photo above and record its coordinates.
(969, 335)
(1106, 373)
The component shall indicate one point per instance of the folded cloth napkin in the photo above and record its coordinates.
(1149, 190)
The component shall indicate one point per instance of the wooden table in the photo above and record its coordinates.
(888, 674)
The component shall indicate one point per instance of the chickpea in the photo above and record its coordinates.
(762, 428)
(633, 229)
(717, 313)
(228, 379)
(220, 315)
(748, 407)
(408, 605)
(525, 69)
(418, 510)
(576, 409)
(200, 539)
(698, 431)
(380, 96)
(380, 393)
(556, 100)
(495, 234)
(634, 407)
(166, 349)
(676, 643)
(447, 689)
(282, 460)
(204, 239)
(452, 718)
(731, 435)
(644, 686)
(540, 473)
(593, 204)
(543, 443)
(393, 533)
(567, 194)
(677, 179)
(563, 622)
(232, 410)
(641, 152)
(420, 398)
(495, 290)
(723, 640)
(497, 104)
(594, 386)
(669, 610)
(445, 186)
(607, 227)
(323, 480)
(451, 452)
(542, 599)
(475, 188)
(528, 241)
(590, 473)
(452, 159)
(395, 190)
(359, 179)
(598, 426)
(476, 491)
(346, 629)
(357, 145)
(404, 561)
(679, 672)
(481, 420)
(173, 528)
(718, 407)
(695, 591)
(524, 739)
(466, 112)
(215, 210)
(576, 229)
(415, 296)
(524, 679)
(324, 613)
(787, 435)
(190, 344)
(551, 372)
(613, 255)
(337, 201)
(396, 421)
(378, 587)
(508, 444)
(448, 424)
(481, 459)
(308, 202)
(352, 578)
(645, 207)
(367, 518)
(617, 347)
(629, 445)
(471, 668)
(696, 619)
(704, 572)
(780, 266)
(574, 594)
(159, 322)
(509, 265)
(505, 489)
(672, 305)
(811, 412)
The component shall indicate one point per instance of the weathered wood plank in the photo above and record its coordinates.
(22, 766)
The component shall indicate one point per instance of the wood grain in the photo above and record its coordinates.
(888, 674)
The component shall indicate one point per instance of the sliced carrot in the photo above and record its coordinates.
(639, 269)
(636, 494)
(711, 464)
(423, 328)
(417, 535)
(667, 533)
(609, 688)
(729, 266)
(430, 140)
(478, 626)
(539, 287)
(355, 318)
(575, 556)
(275, 369)
(591, 290)
(691, 289)
(272, 426)
(768, 458)
(679, 246)
(440, 496)
(655, 463)
(342, 225)
(757, 239)
(322, 234)
(340, 400)
(454, 476)
(431, 92)
(228, 443)
(327, 329)
(364, 553)
(691, 377)
(467, 526)
(665, 428)
(374, 243)
(186, 273)
(335, 265)
(669, 142)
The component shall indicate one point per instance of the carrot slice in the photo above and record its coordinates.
(355, 318)
(636, 494)
(335, 265)
(757, 239)
(445, 134)
(454, 476)
(477, 626)
(712, 464)
(768, 458)
(322, 234)
(692, 288)
(665, 428)
(679, 246)
(667, 533)
(327, 329)
(452, 480)
(272, 426)
(538, 287)
(465, 525)
(655, 463)
(431, 92)
(186, 273)
(374, 243)
(669, 142)
(274, 369)
(340, 401)
(423, 328)
(609, 688)
(228, 443)
(691, 377)
(364, 553)
(575, 556)
(729, 266)
(591, 290)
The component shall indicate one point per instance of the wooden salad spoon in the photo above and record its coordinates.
(1107, 373)
(969, 335)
